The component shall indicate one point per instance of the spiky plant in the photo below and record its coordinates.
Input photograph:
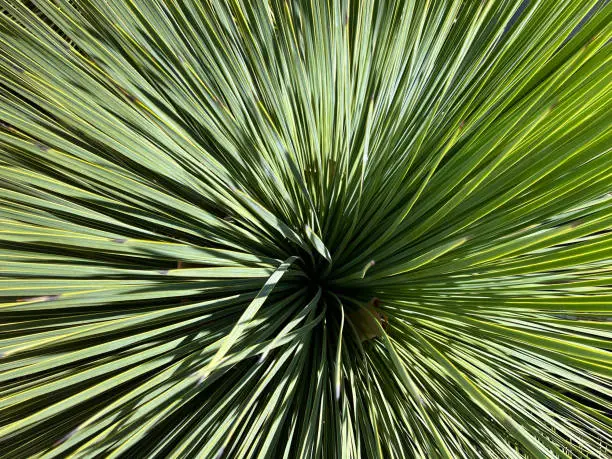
(305, 228)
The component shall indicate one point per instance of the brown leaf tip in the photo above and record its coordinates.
(41, 146)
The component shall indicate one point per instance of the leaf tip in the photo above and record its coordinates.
(368, 265)
(41, 146)
(66, 437)
(40, 298)
(201, 377)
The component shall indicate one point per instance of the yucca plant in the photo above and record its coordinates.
(305, 228)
